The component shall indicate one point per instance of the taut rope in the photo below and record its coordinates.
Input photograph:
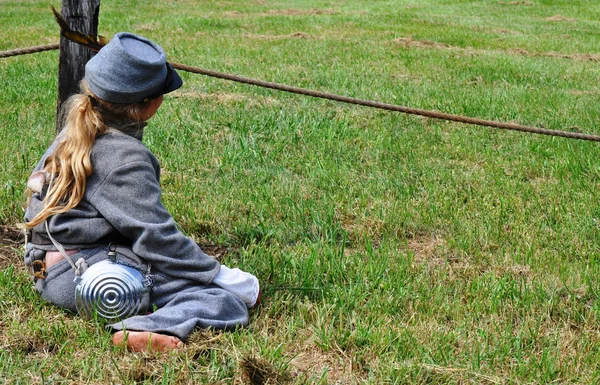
(389, 107)
(28, 50)
(347, 99)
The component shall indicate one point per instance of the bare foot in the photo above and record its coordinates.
(146, 341)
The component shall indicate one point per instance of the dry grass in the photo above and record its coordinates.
(516, 3)
(409, 42)
(295, 35)
(11, 242)
(301, 12)
(257, 371)
(281, 12)
(229, 98)
(561, 18)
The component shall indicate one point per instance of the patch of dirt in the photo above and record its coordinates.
(360, 228)
(505, 31)
(433, 252)
(516, 3)
(227, 97)
(312, 363)
(221, 97)
(216, 251)
(295, 35)
(282, 12)
(232, 14)
(581, 93)
(257, 371)
(32, 345)
(581, 57)
(151, 26)
(11, 239)
(560, 18)
(430, 249)
(409, 42)
(11, 235)
(300, 35)
(519, 51)
(460, 375)
(301, 12)
(515, 270)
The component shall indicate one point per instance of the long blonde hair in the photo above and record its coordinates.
(70, 164)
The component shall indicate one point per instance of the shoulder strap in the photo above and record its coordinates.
(79, 267)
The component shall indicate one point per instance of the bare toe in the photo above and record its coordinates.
(146, 341)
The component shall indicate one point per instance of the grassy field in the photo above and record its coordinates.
(392, 249)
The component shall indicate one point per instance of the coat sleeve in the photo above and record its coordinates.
(129, 198)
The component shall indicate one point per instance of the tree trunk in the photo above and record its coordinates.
(82, 16)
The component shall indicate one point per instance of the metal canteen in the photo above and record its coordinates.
(112, 291)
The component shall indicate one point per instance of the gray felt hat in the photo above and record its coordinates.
(129, 69)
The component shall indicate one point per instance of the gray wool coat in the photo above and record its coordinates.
(122, 201)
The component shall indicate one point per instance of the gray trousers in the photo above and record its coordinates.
(182, 305)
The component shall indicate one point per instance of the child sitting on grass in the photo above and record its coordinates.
(98, 184)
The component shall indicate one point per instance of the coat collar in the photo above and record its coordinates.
(128, 127)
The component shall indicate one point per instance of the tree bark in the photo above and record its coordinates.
(82, 16)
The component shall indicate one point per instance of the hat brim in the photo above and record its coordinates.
(172, 82)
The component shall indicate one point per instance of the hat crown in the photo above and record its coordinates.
(129, 69)
(142, 49)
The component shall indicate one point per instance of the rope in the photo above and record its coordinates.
(25, 51)
(389, 107)
(349, 100)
